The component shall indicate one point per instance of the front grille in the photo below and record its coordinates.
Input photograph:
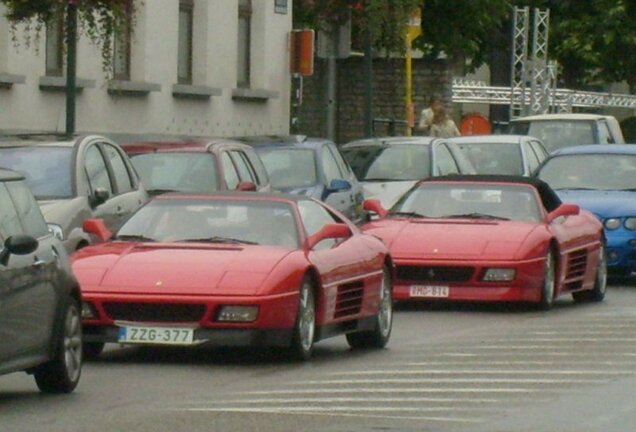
(577, 264)
(155, 312)
(434, 273)
(349, 299)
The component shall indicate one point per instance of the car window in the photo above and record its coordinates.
(177, 171)
(330, 166)
(123, 181)
(604, 135)
(96, 170)
(47, 170)
(314, 216)
(345, 169)
(555, 134)
(9, 219)
(388, 162)
(444, 160)
(539, 150)
(229, 172)
(259, 169)
(493, 158)
(531, 158)
(28, 209)
(289, 168)
(243, 165)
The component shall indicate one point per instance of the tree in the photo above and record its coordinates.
(593, 41)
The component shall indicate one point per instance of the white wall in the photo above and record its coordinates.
(154, 60)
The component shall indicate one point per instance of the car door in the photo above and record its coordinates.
(341, 199)
(341, 263)
(98, 181)
(127, 194)
(530, 158)
(28, 294)
(244, 167)
(230, 174)
(356, 188)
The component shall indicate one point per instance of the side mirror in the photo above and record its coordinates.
(98, 228)
(246, 187)
(18, 245)
(99, 196)
(374, 206)
(333, 231)
(564, 210)
(339, 185)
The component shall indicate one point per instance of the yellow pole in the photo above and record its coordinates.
(413, 30)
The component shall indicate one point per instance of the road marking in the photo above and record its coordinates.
(493, 363)
(452, 381)
(340, 390)
(476, 372)
(341, 414)
(475, 401)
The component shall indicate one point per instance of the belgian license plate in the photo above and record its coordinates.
(429, 291)
(156, 335)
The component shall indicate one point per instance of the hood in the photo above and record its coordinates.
(604, 204)
(170, 269)
(387, 192)
(452, 239)
(67, 213)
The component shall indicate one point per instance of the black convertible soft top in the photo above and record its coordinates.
(549, 198)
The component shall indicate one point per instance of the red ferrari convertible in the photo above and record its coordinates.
(234, 270)
(491, 238)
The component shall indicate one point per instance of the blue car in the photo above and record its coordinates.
(310, 166)
(601, 179)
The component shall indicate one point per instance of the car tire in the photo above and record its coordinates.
(597, 293)
(92, 350)
(62, 373)
(548, 288)
(302, 344)
(379, 336)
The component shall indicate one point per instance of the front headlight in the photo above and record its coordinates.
(612, 224)
(237, 313)
(499, 275)
(630, 223)
(56, 230)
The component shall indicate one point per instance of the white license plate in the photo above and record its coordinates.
(429, 291)
(156, 335)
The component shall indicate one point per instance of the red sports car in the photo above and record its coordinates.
(491, 238)
(235, 269)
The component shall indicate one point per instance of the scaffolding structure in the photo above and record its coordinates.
(533, 76)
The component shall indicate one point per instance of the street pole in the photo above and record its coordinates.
(71, 65)
(368, 82)
(413, 30)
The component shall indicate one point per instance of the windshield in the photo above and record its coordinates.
(47, 170)
(556, 134)
(389, 163)
(182, 172)
(290, 168)
(590, 171)
(491, 158)
(473, 201)
(213, 221)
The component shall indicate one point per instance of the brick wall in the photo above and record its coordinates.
(388, 85)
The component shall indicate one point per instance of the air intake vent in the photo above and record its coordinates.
(434, 273)
(349, 300)
(155, 312)
(577, 263)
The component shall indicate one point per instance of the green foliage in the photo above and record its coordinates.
(385, 20)
(99, 20)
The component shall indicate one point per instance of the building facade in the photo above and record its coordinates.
(189, 67)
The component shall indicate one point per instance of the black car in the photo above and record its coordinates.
(40, 328)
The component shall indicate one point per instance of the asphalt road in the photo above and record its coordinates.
(453, 367)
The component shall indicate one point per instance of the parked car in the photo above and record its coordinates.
(312, 167)
(73, 180)
(502, 154)
(40, 330)
(564, 130)
(491, 238)
(601, 179)
(262, 269)
(388, 167)
(197, 166)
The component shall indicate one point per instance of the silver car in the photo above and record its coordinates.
(86, 177)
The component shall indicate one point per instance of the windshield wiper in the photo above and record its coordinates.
(382, 179)
(218, 239)
(407, 214)
(160, 191)
(474, 216)
(134, 237)
(573, 188)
